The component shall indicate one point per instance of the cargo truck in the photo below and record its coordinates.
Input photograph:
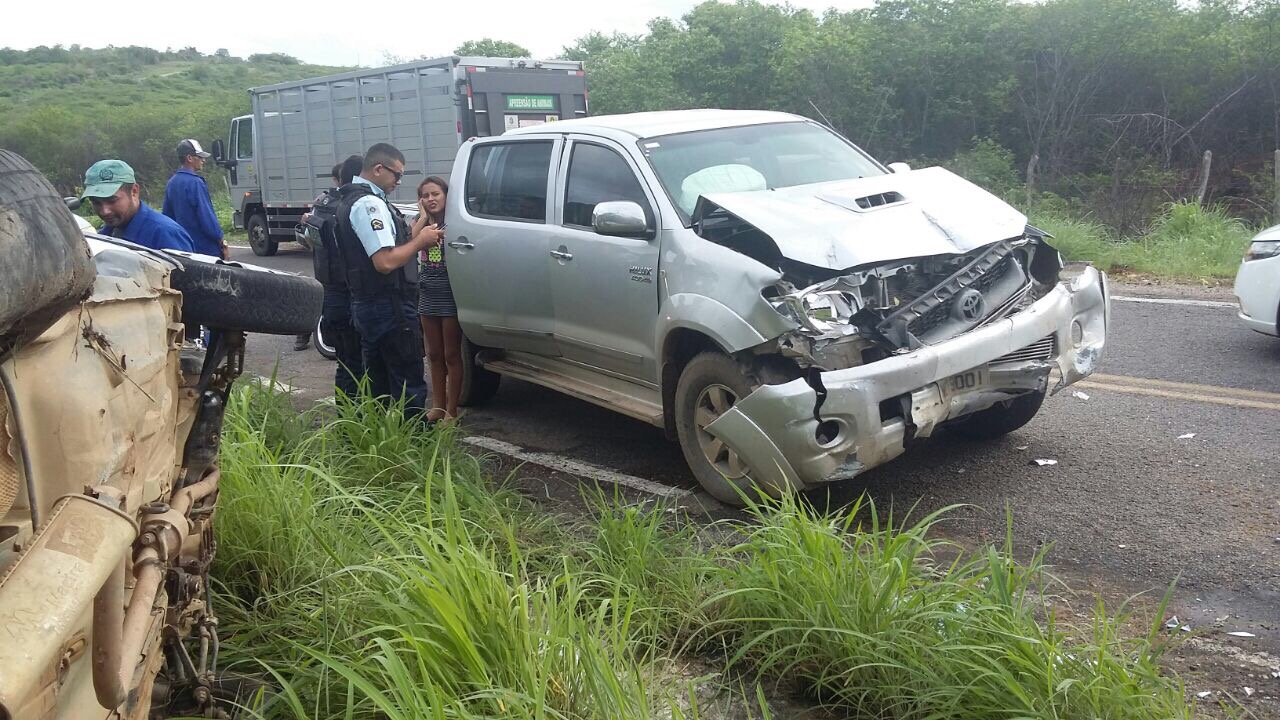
(279, 158)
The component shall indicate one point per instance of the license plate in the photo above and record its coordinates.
(965, 382)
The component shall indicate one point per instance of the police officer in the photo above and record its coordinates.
(335, 322)
(379, 256)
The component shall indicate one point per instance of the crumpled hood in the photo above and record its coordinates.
(938, 213)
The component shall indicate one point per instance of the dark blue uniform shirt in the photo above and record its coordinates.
(186, 200)
(151, 229)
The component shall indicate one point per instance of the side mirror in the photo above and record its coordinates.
(218, 155)
(899, 167)
(620, 218)
(73, 203)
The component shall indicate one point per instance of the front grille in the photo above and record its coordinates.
(935, 316)
(1040, 350)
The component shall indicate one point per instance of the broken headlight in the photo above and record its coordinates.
(819, 309)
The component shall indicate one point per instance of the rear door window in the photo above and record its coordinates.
(509, 180)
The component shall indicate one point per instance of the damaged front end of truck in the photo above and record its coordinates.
(913, 301)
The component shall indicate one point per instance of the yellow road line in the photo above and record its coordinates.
(1213, 390)
(1175, 395)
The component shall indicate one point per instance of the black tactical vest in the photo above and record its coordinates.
(322, 224)
(363, 279)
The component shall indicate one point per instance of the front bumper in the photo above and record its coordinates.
(774, 429)
(1258, 293)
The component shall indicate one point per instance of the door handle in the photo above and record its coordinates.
(461, 245)
(561, 255)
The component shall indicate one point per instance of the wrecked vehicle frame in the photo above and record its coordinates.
(797, 313)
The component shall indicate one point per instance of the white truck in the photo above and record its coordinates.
(279, 157)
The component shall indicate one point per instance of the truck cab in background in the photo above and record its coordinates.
(278, 158)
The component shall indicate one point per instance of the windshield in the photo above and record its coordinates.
(752, 157)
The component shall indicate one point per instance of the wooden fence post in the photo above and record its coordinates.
(1275, 210)
(1031, 178)
(1204, 176)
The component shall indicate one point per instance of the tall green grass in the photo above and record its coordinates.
(1185, 242)
(373, 570)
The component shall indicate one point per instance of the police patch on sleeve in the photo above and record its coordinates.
(376, 224)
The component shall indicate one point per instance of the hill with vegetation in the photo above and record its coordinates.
(66, 108)
(1093, 115)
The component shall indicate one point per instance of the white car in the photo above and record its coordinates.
(1258, 283)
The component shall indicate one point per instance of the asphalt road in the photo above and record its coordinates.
(1133, 504)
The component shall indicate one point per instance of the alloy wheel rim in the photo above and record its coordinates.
(714, 401)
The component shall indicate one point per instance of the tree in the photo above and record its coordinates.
(594, 46)
(488, 47)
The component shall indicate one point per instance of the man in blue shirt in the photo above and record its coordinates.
(112, 188)
(186, 200)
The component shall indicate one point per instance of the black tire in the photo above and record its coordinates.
(45, 267)
(327, 351)
(260, 236)
(246, 297)
(706, 377)
(478, 385)
(999, 419)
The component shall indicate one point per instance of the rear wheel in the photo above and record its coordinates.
(260, 237)
(478, 385)
(999, 419)
(246, 297)
(709, 385)
(323, 346)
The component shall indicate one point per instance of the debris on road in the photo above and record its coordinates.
(1248, 691)
(1204, 694)
(1080, 395)
(1187, 436)
(1045, 461)
(1024, 447)
(1241, 634)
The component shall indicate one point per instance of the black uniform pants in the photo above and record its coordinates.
(391, 344)
(340, 332)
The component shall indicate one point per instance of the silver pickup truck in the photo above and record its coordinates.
(788, 308)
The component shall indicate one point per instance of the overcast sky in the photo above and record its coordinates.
(335, 33)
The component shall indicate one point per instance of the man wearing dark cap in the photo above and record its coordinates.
(186, 200)
(112, 188)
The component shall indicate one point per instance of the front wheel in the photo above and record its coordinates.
(709, 385)
(999, 419)
(260, 237)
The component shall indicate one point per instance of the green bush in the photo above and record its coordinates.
(1185, 242)
(987, 164)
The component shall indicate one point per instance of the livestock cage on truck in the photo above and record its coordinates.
(279, 158)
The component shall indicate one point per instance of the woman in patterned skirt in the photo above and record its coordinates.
(436, 308)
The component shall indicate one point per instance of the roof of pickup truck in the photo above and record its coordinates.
(654, 124)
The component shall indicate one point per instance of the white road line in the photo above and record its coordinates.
(1175, 301)
(575, 467)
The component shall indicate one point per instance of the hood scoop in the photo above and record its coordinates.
(865, 203)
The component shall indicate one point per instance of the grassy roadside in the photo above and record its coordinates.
(374, 570)
(1186, 242)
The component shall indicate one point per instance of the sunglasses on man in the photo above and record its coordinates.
(397, 175)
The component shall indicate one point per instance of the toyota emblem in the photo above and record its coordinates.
(969, 305)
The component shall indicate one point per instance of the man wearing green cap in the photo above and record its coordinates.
(112, 188)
